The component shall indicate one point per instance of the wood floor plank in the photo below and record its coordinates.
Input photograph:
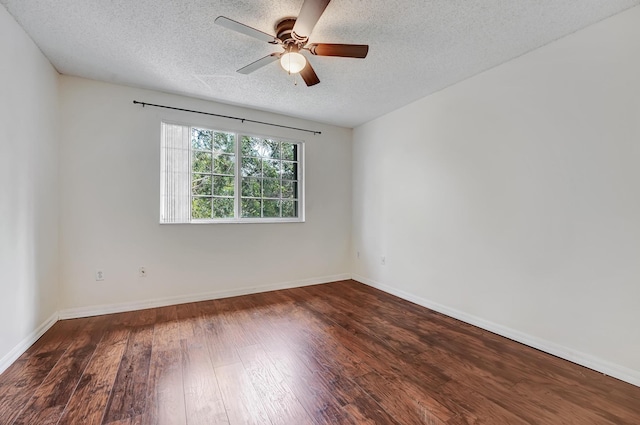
(311, 387)
(244, 405)
(53, 340)
(551, 406)
(282, 405)
(219, 336)
(482, 410)
(608, 407)
(230, 318)
(317, 336)
(313, 392)
(136, 420)
(356, 404)
(416, 407)
(87, 403)
(49, 400)
(361, 407)
(120, 422)
(376, 352)
(165, 400)
(14, 397)
(165, 389)
(19, 382)
(203, 400)
(392, 360)
(129, 393)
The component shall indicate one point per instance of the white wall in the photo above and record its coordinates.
(28, 189)
(512, 199)
(110, 171)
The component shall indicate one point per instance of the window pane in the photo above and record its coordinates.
(223, 207)
(270, 208)
(289, 189)
(289, 170)
(289, 208)
(223, 186)
(290, 151)
(251, 207)
(201, 139)
(201, 162)
(252, 167)
(201, 184)
(271, 188)
(251, 187)
(272, 149)
(270, 168)
(252, 146)
(224, 142)
(201, 208)
(224, 164)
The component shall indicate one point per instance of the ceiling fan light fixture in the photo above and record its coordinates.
(293, 62)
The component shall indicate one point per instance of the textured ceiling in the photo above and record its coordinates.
(416, 47)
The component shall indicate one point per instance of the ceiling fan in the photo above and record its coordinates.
(292, 34)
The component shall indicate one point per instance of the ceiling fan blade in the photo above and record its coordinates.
(260, 63)
(244, 29)
(308, 17)
(309, 75)
(344, 50)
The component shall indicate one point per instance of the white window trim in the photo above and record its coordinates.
(238, 179)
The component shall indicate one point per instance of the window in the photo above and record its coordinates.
(217, 176)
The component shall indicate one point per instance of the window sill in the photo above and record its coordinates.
(245, 221)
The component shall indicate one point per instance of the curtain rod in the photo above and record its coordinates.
(225, 116)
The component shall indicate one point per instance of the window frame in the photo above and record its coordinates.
(238, 135)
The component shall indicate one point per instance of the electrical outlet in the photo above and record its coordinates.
(142, 272)
(99, 274)
(383, 260)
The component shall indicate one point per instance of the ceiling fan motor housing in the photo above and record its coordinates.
(284, 31)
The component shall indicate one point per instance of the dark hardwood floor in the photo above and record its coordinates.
(341, 353)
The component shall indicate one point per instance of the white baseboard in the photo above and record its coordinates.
(19, 349)
(74, 313)
(620, 372)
